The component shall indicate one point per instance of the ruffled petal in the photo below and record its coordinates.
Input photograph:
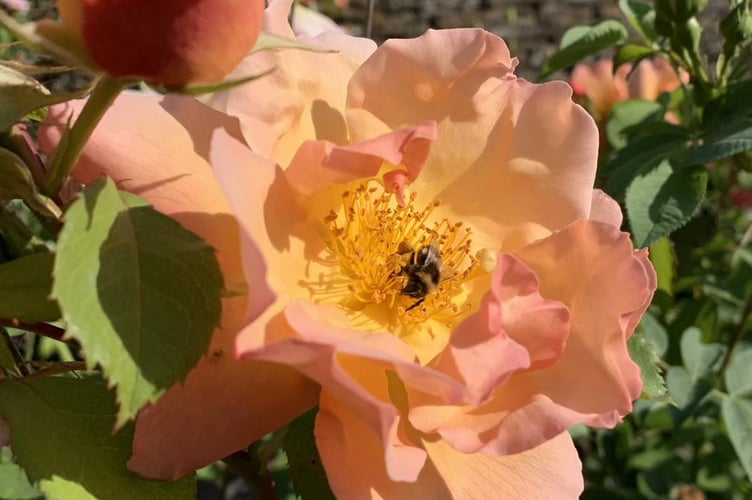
(319, 166)
(347, 448)
(531, 148)
(551, 470)
(592, 268)
(294, 103)
(480, 352)
(605, 209)
(354, 456)
(274, 233)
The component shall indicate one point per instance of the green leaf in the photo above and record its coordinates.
(627, 114)
(641, 17)
(216, 87)
(663, 259)
(139, 292)
(62, 437)
(572, 35)
(733, 104)
(21, 94)
(16, 238)
(13, 481)
(16, 183)
(25, 288)
(306, 470)
(644, 353)
(8, 369)
(690, 384)
(737, 408)
(737, 415)
(585, 42)
(699, 358)
(651, 143)
(663, 200)
(632, 53)
(738, 375)
(655, 333)
(723, 143)
(679, 385)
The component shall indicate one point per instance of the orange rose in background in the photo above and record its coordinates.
(420, 237)
(170, 42)
(604, 88)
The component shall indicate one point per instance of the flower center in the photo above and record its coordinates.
(397, 265)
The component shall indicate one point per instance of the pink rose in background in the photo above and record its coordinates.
(420, 237)
(600, 85)
(604, 88)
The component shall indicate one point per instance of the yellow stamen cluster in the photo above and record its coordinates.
(367, 240)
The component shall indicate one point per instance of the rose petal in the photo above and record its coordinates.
(551, 470)
(311, 22)
(318, 166)
(530, 146)
(480, 353)
(592, 268)
(294, 103)
(605, 209)
(353, 457)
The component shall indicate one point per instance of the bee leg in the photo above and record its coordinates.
(419, 302)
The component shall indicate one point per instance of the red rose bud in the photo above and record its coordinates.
(170, 42)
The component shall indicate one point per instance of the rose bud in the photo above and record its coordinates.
(170, 42)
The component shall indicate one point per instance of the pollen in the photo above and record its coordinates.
(372, 247)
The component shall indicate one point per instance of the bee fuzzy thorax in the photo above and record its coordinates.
(399, 264)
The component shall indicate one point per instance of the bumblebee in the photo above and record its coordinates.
(423, 271)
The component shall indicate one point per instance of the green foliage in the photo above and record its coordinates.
(641, 17)
(13, 481)
(680, 166)
(143, 307)
(645, 353)
(662, 200)
(22, 94)
(306, 469)
(737, 408)
(632, 53)
(627, 114)
(25, 286)
(16, 182)
(79, 457)
(580, 42)
(642, 154)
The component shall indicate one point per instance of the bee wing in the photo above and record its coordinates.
(447, 273)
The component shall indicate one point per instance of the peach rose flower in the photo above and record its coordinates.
(420, 236)
(604, 88)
